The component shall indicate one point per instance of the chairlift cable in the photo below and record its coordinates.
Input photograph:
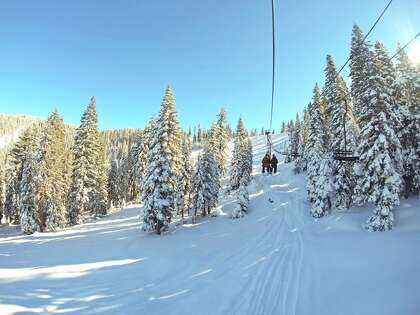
(368, 33)
(269, 144)
(405, 46)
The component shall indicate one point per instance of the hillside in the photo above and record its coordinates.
(11, 127)
(276, 260)
(117, 141)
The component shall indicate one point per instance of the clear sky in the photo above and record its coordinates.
(57, 54)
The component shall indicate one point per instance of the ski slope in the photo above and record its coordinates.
(276, 260)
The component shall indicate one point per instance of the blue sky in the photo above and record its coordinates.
(57, 54)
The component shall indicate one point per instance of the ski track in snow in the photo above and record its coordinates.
(276, 260)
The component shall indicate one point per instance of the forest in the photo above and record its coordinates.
(356, 145)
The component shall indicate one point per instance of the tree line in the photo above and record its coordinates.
(171, 185)
(56, 178)
(377, 121)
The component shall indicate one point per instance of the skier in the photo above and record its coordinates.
(274, 163)
(266, 163)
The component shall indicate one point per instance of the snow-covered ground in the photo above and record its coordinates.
(276, 260)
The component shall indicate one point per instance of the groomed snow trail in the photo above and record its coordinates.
(273, 279)
(276, 260)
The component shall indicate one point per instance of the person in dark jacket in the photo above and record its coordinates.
(266, 163)
(274, 163)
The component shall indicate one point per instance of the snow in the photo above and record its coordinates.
(275, 260)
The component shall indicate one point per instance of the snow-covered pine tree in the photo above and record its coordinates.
(100, 195)
(338, 99)
(359, 56)
(241, 208)
(212, 169)
(291, 125)
(198, 188)
(79, 189)
(2, 189)
(397, 109)
(88, 188)
(283, 127)
(164, 156)
(294, 139)
(141, 162)
(184, 181)
(30, 188)
(290, 144)
(114, 195)
(242, 192)
(126, 175)
(52, 162)
(205, 184)
(126, 178)
(221, 137)
(297, 136)
(199, 134)
(329, 94)
(129, 176)
(143, 148)
(319, 163)
(378, 170)
(16, 160)
(303, 159)
(408, 98)
(247, 162)
(299, 145)
(239, 146)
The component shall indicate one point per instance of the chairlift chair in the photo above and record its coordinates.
(345, 155)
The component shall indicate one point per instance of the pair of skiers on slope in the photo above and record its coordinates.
(269, 164)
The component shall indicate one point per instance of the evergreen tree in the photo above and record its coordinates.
(294, 140)
(184, 180)
(199, 134)
(319, 169)
(291, 125)
(221, 137)
(195, 136)
(342, 135)
(243, 201)
(330, 95)
(283, 127)
(88, 187)
(114, 193)
(290, 145)
(51, 175)
(2, 189)
(205, 184)
(30, 189)
(379, 166)
(296, 147)
(160, 186)
(247, 162)
(302, 150)
(141, 162)
(14, 174)
(359, 56)
(99, 193)
(132, 172)
(198, 189)
(407, 92)
(241, 140)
